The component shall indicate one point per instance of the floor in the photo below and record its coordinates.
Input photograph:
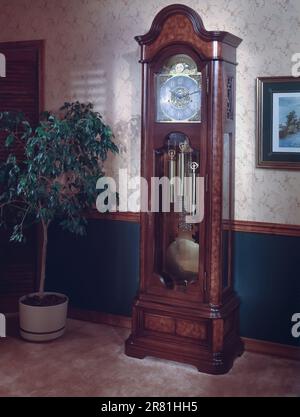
(89, 361)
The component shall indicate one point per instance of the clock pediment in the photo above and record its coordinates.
(181, 24)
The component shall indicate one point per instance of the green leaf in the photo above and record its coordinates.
(9, 140)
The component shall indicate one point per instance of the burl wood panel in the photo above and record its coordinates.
(216, 131)
(178, 28)
(191, 329)
(160, 324)
(179, 327)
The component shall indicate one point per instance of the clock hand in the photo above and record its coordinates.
(190, 94)
(178, 95)
(194, 92)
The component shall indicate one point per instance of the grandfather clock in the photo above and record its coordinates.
(186, 308)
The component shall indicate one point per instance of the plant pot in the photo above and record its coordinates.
(42, 323)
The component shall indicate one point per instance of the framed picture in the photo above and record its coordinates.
(278, 123)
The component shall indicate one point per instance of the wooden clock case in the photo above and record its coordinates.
(199, 324)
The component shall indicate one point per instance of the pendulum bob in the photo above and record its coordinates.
(182, 261)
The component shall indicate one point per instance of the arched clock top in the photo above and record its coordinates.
(179, 24)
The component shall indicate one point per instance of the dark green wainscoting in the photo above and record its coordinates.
(100, 272)
(267, 278)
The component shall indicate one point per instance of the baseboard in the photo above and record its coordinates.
(273, 349)
(12, 315)
(98, 317)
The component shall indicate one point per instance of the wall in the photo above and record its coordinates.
(91, 55)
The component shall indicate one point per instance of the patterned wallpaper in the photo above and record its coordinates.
(91, 55)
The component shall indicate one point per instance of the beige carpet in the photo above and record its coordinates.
(89, 361)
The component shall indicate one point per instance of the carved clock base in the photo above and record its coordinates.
(211, 363)
(211, 345)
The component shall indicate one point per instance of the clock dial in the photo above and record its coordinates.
(180, 98)
(179, 91)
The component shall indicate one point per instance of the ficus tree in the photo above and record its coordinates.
(56, 178)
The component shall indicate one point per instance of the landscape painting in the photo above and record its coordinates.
(286, 122)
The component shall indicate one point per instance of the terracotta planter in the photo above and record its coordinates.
(42, 323)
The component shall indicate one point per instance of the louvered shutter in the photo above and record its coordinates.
(19, 91)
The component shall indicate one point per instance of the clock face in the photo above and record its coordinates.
(178, 94)
(179, 98)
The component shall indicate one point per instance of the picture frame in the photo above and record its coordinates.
(278, 123)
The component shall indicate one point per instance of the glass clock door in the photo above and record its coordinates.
(178, 91)
(177, 249)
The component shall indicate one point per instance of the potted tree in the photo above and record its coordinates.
(55, 180)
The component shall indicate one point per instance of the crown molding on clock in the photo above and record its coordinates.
(195, 19)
